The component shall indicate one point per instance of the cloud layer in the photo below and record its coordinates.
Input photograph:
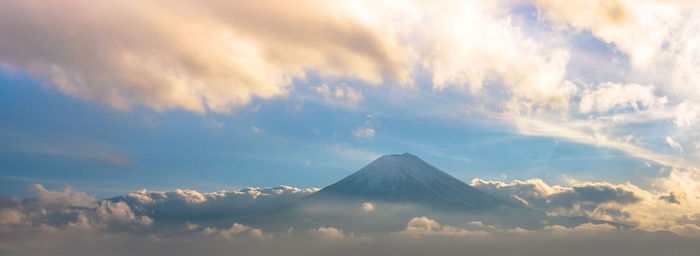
(51, 221)
(648, 210)
(140, 211)
(216, 55)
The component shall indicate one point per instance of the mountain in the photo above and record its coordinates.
(405, 178)
(403, 186)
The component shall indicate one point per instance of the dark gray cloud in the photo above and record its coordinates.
(137, 211)
(576, 200)
(49, 209)
(671, 198)
(619, 203)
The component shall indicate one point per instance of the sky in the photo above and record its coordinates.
(111, 97)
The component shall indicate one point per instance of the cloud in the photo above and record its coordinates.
(365, 132)
(213, 124)
(346, 151)
(120, 211)
(581, 199)
(180, 205)
(609, 96)
(31, 227)
(427, 227)
(671, 198)
(210, 55)
(586, 227)
(66, 209)
(687, 114)
(235, 230)
(540, 243)
(137, 211)
(341, 95)
(327, 232)
(367, 206)
(256, 130)
(622, 203)
(674, 144)
(62, 146)
(504, 54)
(640, 28)
(218, 55)
(191, 226)
(190, 209)
(659, 37)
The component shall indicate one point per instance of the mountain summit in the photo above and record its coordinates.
(405, 178)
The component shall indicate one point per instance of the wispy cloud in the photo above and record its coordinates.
(62, 146)
(341, 95)
(363, 132)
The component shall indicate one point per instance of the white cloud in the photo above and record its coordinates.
(639, 28)
(363, 132)
(674, 144)
(68, 197)
(649, 210)
(602, 131)
(206, 55)
(473, 43)
(191, 226)
(217, 55)
(122, 212)
(609, 96)
(346, 151)
(235, 230)
(687, 114)
(420, 227)
(327, 232)
(214, 124)
(660, 37)
(586, 227)
(10, 217)
(341, 95)
(424, 226)
(66, 209)
(181, 204)
(367, 206)
(579, 200)
(256, 130)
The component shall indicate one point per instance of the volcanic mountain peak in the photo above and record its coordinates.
(406, 178)
(393, 166)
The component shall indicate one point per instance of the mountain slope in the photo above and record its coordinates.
(406, 178)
